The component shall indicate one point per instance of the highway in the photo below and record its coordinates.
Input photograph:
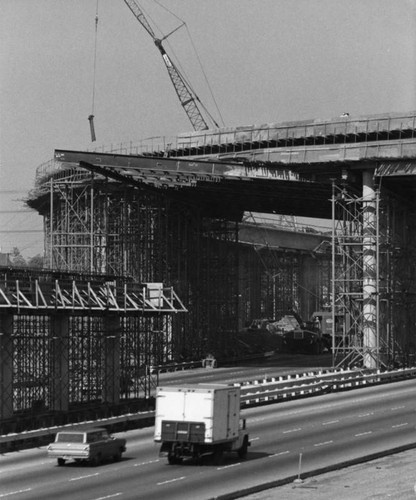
(322, 430)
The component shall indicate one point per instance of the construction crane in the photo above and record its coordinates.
(187, 96)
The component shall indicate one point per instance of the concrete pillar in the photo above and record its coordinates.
(241, 293)
(309, 278)
(59, 358)
(370, 341)
(6, 365)
(111, 361)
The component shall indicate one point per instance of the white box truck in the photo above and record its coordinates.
(203, 419)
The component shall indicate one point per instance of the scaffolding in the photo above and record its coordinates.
(373, 285)
(101, 317)
(72, 341)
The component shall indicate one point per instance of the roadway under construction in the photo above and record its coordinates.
(151, 257)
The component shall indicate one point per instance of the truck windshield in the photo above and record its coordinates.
(70, 438)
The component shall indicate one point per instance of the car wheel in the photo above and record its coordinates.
(61, 461)
(95, 460)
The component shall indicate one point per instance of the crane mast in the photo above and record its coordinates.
(187, 97)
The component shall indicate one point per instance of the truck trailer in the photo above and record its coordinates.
(203, 419)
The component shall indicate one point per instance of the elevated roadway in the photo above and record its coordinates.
(220, 187)
(283, 168)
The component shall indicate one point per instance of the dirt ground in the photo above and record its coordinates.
(391, 477)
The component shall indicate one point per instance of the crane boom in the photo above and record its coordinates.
(186, 95)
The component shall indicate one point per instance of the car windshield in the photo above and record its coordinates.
(76, 437)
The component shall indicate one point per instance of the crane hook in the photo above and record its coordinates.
(91, 120)
(91, 117)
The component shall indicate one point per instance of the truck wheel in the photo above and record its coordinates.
(61, 461)
(173, 460)
(218, 457)
(117, 456)
(242, 452)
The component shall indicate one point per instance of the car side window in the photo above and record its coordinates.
(92, 437)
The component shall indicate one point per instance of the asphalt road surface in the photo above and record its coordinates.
(289, 439)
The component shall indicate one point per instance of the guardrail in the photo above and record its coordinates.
(253, 393)
(307, 384)
(45, 435)
(173, 367)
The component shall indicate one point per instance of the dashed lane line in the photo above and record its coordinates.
(363, 434)
(324, 443)
(84, 477)
(228, 466)
(146, 463)
(330, 422)
(171, 480)
(292, 430)
(280, 453)
(399, 425)
(109, 496)
(17, 492)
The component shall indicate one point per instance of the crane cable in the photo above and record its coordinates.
(91, 116)
(206, 80)
(200, 64)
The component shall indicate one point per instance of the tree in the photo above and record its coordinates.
(17, 258)
(36, 262)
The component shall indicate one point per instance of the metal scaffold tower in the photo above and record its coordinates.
(355, 291)
(71, 340)
(94, 224)
(373, 285)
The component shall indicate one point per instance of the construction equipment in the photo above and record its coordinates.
(187, 96)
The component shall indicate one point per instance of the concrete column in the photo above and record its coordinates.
(370, 342)
(6, 366)
(309, 278)
(59, 357)
(241, 293)
(111, 361)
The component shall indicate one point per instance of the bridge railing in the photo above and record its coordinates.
(308, 384)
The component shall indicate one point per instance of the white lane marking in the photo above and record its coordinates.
(363, 433)
(366, 414)
(281, 453)
(330, 422)
(397, 408)
(4, 495)
(109, 496)
(399, 425)
(292, 430)
(228, 466)
(146, 463)
(84, 477)
(254, 439)
(323, 443)
(171, 480)
(25, 467)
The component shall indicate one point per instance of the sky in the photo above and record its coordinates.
(265, 61)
